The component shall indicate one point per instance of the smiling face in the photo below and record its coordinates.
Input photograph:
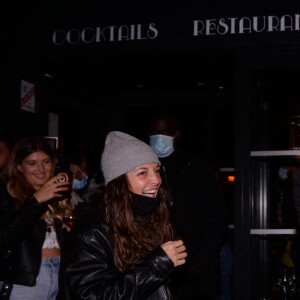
(145, 180)
(37, 168)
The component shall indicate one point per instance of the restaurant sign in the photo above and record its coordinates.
(193, 28)
(246, 25)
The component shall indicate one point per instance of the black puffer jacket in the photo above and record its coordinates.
(88, 271)
(22, 234)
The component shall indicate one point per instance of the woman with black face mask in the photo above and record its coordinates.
(126, 251)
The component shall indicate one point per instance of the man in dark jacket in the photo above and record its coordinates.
(198, 212)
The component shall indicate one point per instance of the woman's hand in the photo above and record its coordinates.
(176, 251)
(52, 189)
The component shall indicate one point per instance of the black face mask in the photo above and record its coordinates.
(144, 205)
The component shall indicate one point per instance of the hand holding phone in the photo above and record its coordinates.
(63, 170)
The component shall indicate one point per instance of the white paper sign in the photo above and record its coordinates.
(27, 96)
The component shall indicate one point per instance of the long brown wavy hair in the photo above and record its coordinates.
(17, 184)
(134, 236)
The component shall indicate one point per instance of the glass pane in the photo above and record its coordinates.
(282, 215)
(276, 100)
(276, 252)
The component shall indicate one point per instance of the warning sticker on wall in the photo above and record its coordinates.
(27, 96)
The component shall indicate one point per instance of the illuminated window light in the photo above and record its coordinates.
(231, 178)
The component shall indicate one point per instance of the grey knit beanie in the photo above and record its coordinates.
(123, 153)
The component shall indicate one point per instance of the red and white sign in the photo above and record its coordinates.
(27, 96)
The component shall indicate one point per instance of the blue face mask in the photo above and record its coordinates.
(283, 174)
(80, 184)
(162, 144)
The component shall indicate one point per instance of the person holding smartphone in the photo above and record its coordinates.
(32, 208)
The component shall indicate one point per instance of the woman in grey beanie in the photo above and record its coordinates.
(127, 250)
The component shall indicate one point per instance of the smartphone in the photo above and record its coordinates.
(63, 169)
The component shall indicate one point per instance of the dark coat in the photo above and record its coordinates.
(22, 235)
(198, 216)
(88, 270)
